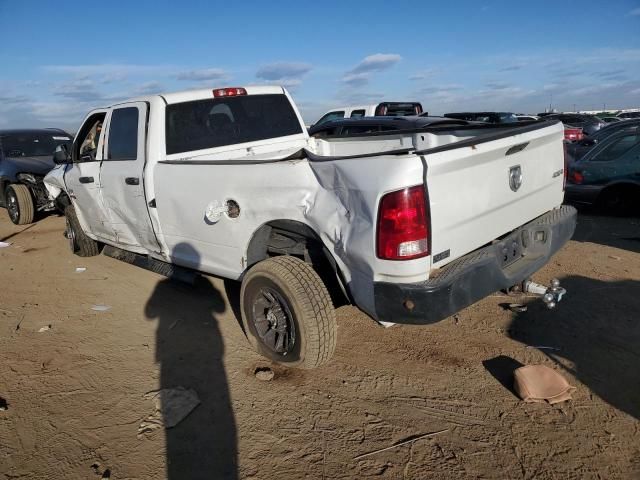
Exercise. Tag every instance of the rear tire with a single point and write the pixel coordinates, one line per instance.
(19, 203)
(619, 200)
(287, 313)
(79, 243)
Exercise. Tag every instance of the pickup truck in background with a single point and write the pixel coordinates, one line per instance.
(384, 109)
(409, 226)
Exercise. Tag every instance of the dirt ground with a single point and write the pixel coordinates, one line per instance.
(76, 391)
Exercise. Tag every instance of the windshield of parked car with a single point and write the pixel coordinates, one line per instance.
(32, 144)
(218, 122)
(508, 118)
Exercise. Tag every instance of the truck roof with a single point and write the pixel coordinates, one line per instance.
(200, 94)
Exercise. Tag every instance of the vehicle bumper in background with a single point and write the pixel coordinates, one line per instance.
(476, 275)
(587, 194)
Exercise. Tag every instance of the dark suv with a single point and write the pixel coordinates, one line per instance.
(589, 124)
(26, 156)
(487, 117)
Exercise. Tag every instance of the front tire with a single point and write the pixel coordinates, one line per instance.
(79, 243)
(287, 313)
(19, 204)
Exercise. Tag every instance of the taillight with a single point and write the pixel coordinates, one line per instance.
(229, 92)
(403, 228)
(576, 177)
(566, 166)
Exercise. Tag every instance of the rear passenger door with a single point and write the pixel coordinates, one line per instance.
(122, 177)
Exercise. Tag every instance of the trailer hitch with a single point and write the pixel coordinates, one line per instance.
(550, 295)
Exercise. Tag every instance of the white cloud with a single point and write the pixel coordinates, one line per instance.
(203, 75)
(377, 62)
(283, 70)
(361, 73)
(634, 13)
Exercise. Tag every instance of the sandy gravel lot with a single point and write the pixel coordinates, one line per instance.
(76, 391)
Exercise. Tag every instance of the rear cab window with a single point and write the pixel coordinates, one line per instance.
(218, 122)
(357, 114)
(398, 109)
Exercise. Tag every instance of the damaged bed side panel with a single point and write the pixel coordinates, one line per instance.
(337, 199)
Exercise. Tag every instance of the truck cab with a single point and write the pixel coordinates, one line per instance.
(384, 109)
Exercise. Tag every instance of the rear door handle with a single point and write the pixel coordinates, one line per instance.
(132, 181)
(86, 179)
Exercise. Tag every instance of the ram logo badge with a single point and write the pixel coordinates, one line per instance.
(515, 177)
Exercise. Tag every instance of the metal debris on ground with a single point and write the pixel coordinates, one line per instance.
(404, 442)
(4, 244)
(45, 328)
(100, 308)
(171, 406)
(517, 307)
(81, 269)
(264, 374)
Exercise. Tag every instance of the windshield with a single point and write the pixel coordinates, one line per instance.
(218, 122)
(39, 144)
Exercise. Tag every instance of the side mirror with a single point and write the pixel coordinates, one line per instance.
(61, 155)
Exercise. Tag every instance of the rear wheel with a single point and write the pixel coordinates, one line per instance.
(287, 313)
(619, 200)
(19, 203)
(79, 242)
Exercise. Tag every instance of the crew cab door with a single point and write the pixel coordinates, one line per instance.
(122, 177)
(82, 177)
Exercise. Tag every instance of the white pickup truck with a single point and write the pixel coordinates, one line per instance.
(410, 226)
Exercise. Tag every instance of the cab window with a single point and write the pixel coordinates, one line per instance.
(357, 114)
(123, 134)
(86, 147)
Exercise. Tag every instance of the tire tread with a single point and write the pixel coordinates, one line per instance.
(25, 203)
(87, 247)
(312, 296)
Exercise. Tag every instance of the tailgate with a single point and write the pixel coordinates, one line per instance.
(474, 193)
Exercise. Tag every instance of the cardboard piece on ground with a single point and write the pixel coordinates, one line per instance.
(539, 383)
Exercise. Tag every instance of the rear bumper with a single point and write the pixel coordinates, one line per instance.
(582, 193)
(474, 276)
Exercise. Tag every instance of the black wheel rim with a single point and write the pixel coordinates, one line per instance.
(273, 321)
(12, 206)
(71, 237)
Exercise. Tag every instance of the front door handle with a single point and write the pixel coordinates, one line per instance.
(86, 179)
(132, 181)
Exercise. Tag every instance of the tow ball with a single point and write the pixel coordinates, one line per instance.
(550, 295)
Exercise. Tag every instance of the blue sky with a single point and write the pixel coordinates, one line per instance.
(60, 59)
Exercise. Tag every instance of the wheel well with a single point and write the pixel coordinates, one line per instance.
(289, 237)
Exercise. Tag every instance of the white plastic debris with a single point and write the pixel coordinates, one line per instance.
(171, 406)
(4, 244)
(264, 374)
(100, 308)
(45, 329)
(81, 269)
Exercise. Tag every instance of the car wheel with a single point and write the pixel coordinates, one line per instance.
(19, 203)
(287, 313)
(618, 200)
(79, 242)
